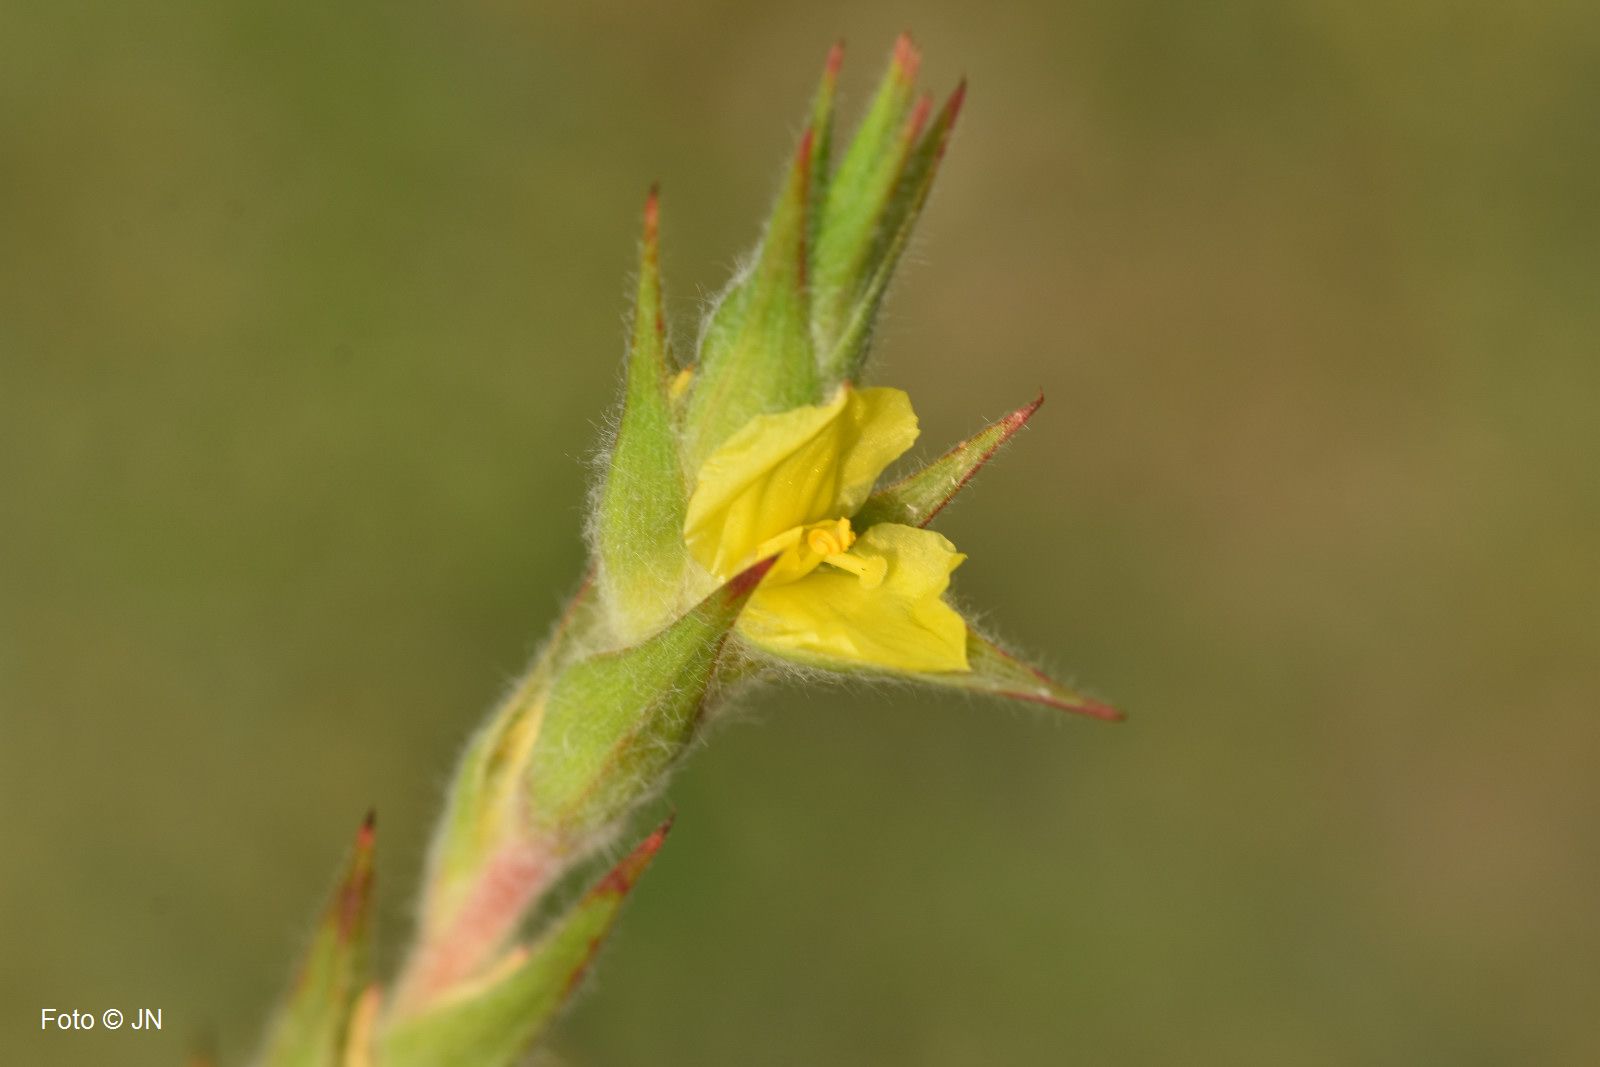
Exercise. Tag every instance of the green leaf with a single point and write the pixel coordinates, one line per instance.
(494, 1022)
(639, 523)
(616, 721)
(310, 1027)
(860, 194)
(854, 337)
(917, 498)
(822, 140)
(1000, 673)
(757, 355)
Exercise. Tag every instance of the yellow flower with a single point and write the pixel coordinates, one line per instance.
(786, 484)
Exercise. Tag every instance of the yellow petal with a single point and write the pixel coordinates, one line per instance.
(899, 623)
(793, 468)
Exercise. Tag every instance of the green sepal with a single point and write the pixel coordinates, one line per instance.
(859, 195)
(1000, 673)
(917, 498)
(493, 1023)
(991, 670)
(310, 1027)
(822, 142)
(615, 722)
(842, 357)
(757, 355)
(639, 520)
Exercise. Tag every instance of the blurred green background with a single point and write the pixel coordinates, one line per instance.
(309, 314)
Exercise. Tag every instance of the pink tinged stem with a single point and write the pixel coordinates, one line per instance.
(464, 945)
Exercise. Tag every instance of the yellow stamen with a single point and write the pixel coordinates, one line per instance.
(680, 384)
(776, 488)
(870, 569)
(827, 542)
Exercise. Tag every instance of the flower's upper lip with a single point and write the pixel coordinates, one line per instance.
(791, 469)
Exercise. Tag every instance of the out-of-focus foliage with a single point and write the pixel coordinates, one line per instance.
(304, 311)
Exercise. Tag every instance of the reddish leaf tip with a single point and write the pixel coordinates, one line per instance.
(1101, 711)
(745, 582)
(652, 213)
(659, 834)
(952, 106)
(1009, 427)
(802, 155)
(1018, 418)
(621, 878)
(350, 901)
(919, 117)
(906, 57)
(835, 59)
(1079, 705)
(1093, 709)
(352, 904)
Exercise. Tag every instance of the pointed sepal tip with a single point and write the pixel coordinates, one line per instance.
(915, 499)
